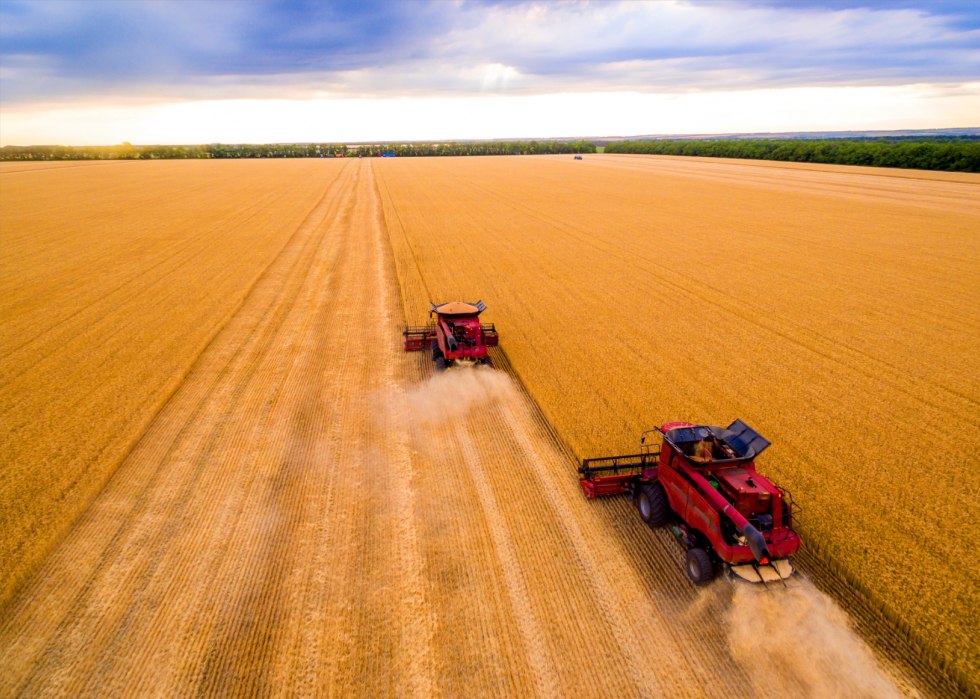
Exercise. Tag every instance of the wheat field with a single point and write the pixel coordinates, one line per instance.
(112, 286)
(834, 310)
(223, 476)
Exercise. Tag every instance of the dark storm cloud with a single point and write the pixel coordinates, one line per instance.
(58, 50)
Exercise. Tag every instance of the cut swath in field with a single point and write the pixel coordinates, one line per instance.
(113, 284)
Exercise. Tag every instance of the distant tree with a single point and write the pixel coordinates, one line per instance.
(960, 155)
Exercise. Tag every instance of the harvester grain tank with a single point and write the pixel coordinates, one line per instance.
(456, 335)
(701, 481)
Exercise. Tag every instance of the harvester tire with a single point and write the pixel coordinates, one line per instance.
(699, 567)
(434, 347)
(488, 362)
(653, 505)
(441, 364)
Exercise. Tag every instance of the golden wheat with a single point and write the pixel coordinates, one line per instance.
(312, 512)
(303, 517)
(835, 312)
(112, 286)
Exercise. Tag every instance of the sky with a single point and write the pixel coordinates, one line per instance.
(100, 73)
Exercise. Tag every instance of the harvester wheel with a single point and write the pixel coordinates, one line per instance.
(436, 352)
(652, 503)
(441, 364)
(699, 567)
(488, 362)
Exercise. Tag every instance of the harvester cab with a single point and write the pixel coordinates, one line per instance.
(700, 480)
(455, 336)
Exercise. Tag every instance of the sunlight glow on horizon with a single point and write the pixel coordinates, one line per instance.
(497, 117)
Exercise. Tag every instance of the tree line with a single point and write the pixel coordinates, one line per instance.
(482, 148)
(939, 153)
(126, 151)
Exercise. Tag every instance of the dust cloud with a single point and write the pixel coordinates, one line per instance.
(792, 643)
(799, 643)
(453, 394)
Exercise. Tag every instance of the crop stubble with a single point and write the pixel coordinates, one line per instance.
(312, 512)
(112, 285)
(836, 314)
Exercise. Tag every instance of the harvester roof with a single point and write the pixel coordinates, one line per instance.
(459, 309)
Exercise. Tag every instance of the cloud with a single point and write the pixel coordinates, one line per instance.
(58, 51)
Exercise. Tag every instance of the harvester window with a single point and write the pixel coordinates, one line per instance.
(705, 450)
(702, 453)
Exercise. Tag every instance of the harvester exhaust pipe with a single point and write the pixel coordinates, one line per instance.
(753, 537)
(757, 543)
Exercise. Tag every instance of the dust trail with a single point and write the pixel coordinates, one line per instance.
(794, 643)
(800, 643)
(453, 394)
(437, 412)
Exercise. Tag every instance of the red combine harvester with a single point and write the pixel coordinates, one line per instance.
(456, 336)
(702, 481)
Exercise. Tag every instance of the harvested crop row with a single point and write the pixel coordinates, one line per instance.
(116, 276)
(842, 328)
(216, 558)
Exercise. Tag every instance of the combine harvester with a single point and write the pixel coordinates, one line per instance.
(702, 481)
(457, 336)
